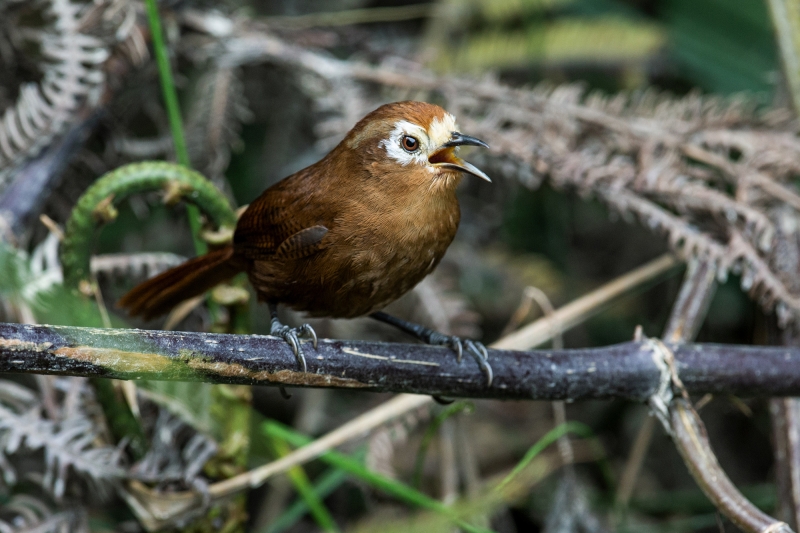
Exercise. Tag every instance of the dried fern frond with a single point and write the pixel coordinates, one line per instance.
(647, 157)
(177, 453)
(214, 121)
(56, 448)
(136, 266)
(72, 76)
(26, 514)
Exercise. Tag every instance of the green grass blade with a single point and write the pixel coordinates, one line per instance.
(399, 490)
(427, 438)
(304, 488)
(173, 112)
(328, 482)
(582, 430)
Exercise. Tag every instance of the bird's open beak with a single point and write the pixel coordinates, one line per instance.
(446, 157)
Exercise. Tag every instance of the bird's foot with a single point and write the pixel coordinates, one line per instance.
(292, 337)
(475, 349)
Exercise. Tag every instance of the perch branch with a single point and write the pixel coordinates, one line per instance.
(630, 370)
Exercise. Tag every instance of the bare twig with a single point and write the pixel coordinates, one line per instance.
(634, 464)
(588, 305)
(691, 307)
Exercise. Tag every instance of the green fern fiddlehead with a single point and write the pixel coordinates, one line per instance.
(96, 207)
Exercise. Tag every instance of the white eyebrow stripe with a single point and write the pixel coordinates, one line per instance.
(441, 129)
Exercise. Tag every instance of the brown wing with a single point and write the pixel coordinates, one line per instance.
(284, 221)
(304, 242)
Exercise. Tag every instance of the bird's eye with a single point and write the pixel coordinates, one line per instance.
(410, 144)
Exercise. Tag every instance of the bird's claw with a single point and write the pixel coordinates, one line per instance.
(474, 348)
(292, 337)
(307, 330)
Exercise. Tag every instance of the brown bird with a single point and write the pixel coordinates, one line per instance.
(345, 236)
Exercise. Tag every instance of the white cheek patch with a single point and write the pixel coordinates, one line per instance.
(395, 149)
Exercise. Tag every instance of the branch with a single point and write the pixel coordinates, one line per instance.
(22, 200)
(692, 442)
(626, 370)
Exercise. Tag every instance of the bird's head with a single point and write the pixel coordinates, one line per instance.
(414, 139)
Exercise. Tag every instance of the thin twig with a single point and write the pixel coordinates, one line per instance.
(360, 425)
(586, 306)
(634, 464)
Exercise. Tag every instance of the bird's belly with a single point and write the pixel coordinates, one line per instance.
(387, 279)
(346, 282)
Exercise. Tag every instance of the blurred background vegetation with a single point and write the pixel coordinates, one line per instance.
(511, 237)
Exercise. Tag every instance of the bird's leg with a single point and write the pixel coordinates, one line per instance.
(291, 335)
(474, 348)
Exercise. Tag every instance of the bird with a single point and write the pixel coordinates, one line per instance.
(347, 235)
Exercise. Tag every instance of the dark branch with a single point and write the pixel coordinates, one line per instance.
(22, 201)
(620, 371)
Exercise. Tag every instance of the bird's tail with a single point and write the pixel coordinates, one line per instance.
(160, 294)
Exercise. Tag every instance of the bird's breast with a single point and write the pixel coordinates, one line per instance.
(393, 251)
